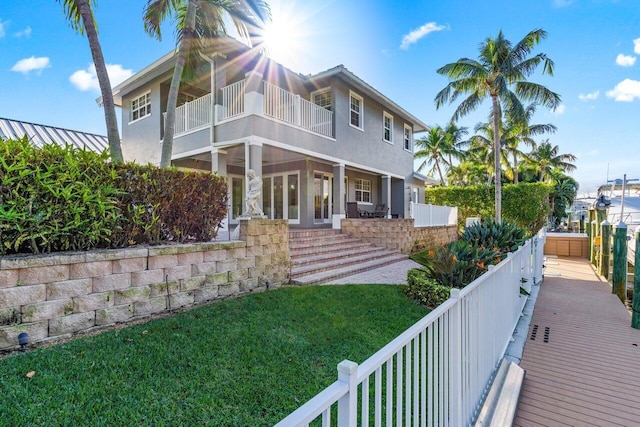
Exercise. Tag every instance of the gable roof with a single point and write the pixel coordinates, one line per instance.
(40, 135)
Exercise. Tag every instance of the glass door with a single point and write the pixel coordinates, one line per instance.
(322, 184)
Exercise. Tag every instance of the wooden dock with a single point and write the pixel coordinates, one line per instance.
(582, 358)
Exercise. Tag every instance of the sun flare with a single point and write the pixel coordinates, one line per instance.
(283, 35)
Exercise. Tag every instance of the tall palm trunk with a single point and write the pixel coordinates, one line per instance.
(183, 50)
(440, 173)
(515, 168)
(103, 79)
(496, 157)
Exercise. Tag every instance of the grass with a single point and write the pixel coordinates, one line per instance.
(248, 361)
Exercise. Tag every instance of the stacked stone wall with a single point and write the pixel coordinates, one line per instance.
(55, 296)
(399, 234)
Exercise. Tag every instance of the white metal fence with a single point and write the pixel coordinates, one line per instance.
(430, 215)
(291, 108)
(193, 115)
(232, 100)
(437, 371)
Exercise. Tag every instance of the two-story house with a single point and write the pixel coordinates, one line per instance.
(318, 141)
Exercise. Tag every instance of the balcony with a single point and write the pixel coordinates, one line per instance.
(277, 104)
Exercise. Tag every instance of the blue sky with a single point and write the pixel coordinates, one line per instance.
(45, 73)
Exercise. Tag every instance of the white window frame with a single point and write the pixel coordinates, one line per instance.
(147, 106)
(407, 139)
(385, 116)
(353, 95)
(360, 192)
(285, 194)
(322, 92)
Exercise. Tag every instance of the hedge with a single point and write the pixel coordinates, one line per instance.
(425, 289)
(61, 198)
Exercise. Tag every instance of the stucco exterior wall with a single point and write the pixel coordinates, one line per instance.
(58, 295)
(399, 234)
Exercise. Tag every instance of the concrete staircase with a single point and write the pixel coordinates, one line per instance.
(319, 256)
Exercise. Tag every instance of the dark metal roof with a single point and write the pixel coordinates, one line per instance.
(40, 135)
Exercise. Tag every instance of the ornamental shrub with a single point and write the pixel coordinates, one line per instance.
(425, 289)
(502, 237)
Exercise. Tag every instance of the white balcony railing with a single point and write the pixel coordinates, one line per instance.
(432, 215)
(232, 100)
(437, 371)
(291, 108)
(277, 103)
(193, 115)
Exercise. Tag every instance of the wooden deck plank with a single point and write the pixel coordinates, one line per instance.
(587, 371)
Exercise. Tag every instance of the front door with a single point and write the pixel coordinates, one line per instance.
(322, 184)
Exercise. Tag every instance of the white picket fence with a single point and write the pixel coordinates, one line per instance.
(432, 215)
(436, 372)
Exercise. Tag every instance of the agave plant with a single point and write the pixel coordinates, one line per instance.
(502, 237)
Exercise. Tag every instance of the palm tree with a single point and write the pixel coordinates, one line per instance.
(500, 73)
(197, 22)
(431, 148)
(80, 16)
(454, 143)
(547, 159)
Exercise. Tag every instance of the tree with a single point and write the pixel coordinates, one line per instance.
(547, 159)
(197, 21)
(500, 73)
(82, 20)
(431, 148)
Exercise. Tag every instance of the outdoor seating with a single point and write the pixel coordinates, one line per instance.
(380, 211)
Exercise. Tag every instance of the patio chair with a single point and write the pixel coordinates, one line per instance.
(352, 210)
(380, 211)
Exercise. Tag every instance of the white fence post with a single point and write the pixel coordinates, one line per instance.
(348, 404)
(455, 360)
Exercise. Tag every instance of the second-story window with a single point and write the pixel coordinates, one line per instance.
(407, 138)
(387, 127)
(141, 106)
(355, 107)
(322, 99)
(363, 190)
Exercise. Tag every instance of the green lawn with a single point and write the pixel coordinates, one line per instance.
(240, 362)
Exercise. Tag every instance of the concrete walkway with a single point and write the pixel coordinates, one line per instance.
(392, 274)
(582, 358)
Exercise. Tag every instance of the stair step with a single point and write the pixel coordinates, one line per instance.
(303, 269)
(302, 241)
(337, 273)
(335, 255)
(333, 247)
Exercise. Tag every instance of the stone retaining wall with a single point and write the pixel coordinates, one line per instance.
(399, 234)
(54, 296)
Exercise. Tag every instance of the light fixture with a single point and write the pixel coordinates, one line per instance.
(23, 340)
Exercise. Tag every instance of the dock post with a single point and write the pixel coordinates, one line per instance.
(620, 261)
(605, 249)
(592, 239)
(635, 315)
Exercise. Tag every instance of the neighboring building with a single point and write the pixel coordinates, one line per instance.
(40, 135)
(317, 141)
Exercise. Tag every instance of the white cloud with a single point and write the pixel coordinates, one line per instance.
(589, 96)
(417, 34)
(24, 33)
(625, 61)
(88, 80)
(625, 91)
(559, 110)
(636, 46)
(2, 30)
(25, 66)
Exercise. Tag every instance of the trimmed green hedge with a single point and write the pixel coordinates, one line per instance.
(60, 198)
(526, 205)
(425, 289)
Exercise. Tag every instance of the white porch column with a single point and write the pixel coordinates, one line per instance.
(338, 195)
(254, 93)
(219, 161)
(386, 193)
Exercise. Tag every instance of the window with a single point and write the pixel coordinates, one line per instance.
(387, 127)
(141, 106)
(322, 99)
(407, 138)
(363, 190)
(355, 107)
